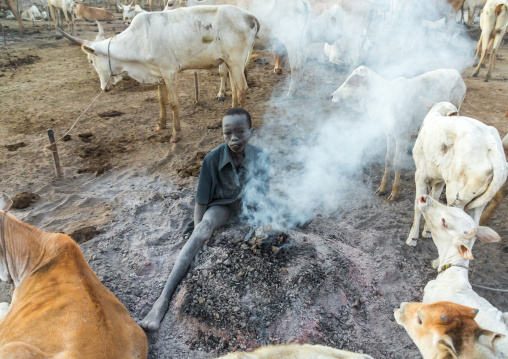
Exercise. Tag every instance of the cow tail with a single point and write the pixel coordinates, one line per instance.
(249, 55)
(499, 166)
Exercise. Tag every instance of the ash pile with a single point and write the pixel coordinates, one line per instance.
(275, 288)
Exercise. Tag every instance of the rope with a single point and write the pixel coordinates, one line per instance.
(75, 122)
(489, 288)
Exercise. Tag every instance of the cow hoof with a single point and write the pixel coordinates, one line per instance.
(380, 192)
(220, 99)
(174, 139)
(487, 79)
(475, 74)
(277, 71)
(160, 128)
(411, 242)
(393, 197)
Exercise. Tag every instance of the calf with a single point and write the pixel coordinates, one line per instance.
(444, 329)
(296, 351)
(89, 13)
(471, 6)
(462, 153)
(199, 37)
(59, 307)
(494, 23)
(393, 104)
(454, 233)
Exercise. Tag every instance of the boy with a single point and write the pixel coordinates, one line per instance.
(224, 173)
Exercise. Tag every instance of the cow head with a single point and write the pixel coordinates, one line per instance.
(453, 231)
(441, 108)
(444, 329)
(174, 4)
(97, 54)
(358, 89)
(128, 12)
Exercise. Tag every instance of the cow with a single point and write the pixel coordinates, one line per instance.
(500, 195)
(59, 307)
(129, 11)
(444, 329)
(395, 106)
(89, 13)
(471, 6)
(200, 37)
(343, 23)
(296, 351)
(494, 23)
(461, 152)
(282, 22)
(12, 5)
(454, 233)
(66, 6)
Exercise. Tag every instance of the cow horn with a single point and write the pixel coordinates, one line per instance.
(120, 5)
(77, 41)
(132, 2)
(100, 35)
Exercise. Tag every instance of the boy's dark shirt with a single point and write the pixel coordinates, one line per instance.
(220, 183)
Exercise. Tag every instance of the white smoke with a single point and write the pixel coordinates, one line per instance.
(317, 151)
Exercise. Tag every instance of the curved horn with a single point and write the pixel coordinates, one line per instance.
(100, 35)
(75, 40)
(120, 5)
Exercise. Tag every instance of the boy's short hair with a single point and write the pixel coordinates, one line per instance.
(239, 111)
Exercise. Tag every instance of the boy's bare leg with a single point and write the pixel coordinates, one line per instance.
(213, 218)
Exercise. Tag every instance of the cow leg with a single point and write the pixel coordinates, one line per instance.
(14, 9)
(435, 193)
(223, 72)
(476, 213)
(296, 62)
(381, 191)
(495, 46)
(236, 73)
(485, 46)
(491, 210)
(396, 169)
(421, 189)
(64, 10)
(171, 81)
(163, 101)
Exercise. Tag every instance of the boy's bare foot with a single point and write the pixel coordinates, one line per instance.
(152, 320)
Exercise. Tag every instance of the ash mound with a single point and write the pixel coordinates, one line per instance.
(236, 297)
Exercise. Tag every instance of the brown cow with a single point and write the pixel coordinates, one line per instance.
(444, 329)
(92, 13)
(59, 308)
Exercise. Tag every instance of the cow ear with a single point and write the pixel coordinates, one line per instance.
(5, 202)
(487, 338)
(487, 235)
(446, 348)
(452, 113)
(88, 50)
(465, 252)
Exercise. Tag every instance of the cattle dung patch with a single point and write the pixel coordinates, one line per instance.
(84, 234)
(24, 200)
(8, 61)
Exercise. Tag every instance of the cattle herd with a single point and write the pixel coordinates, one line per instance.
(56, 288)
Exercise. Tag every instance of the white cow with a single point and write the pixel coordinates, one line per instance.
(130, 11)
(461, 152)
(284, 21)
(200, 37)
(345, 25)
(395, 105)
(66, 6)
(470, 6)
(494, 23)
(32, 13)
(454, 233)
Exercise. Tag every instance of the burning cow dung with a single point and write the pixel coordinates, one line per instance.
(267, 240)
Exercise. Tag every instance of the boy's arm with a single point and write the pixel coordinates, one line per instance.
(199, 212)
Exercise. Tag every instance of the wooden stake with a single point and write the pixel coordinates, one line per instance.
(58, 170)
(196, 87)
(3, 32)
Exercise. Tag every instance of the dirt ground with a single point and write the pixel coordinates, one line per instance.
(127, 193)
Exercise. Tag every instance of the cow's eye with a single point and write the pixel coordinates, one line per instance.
(444, 223)
(418, 319)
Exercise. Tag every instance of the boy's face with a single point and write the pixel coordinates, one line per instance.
(236, 132)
